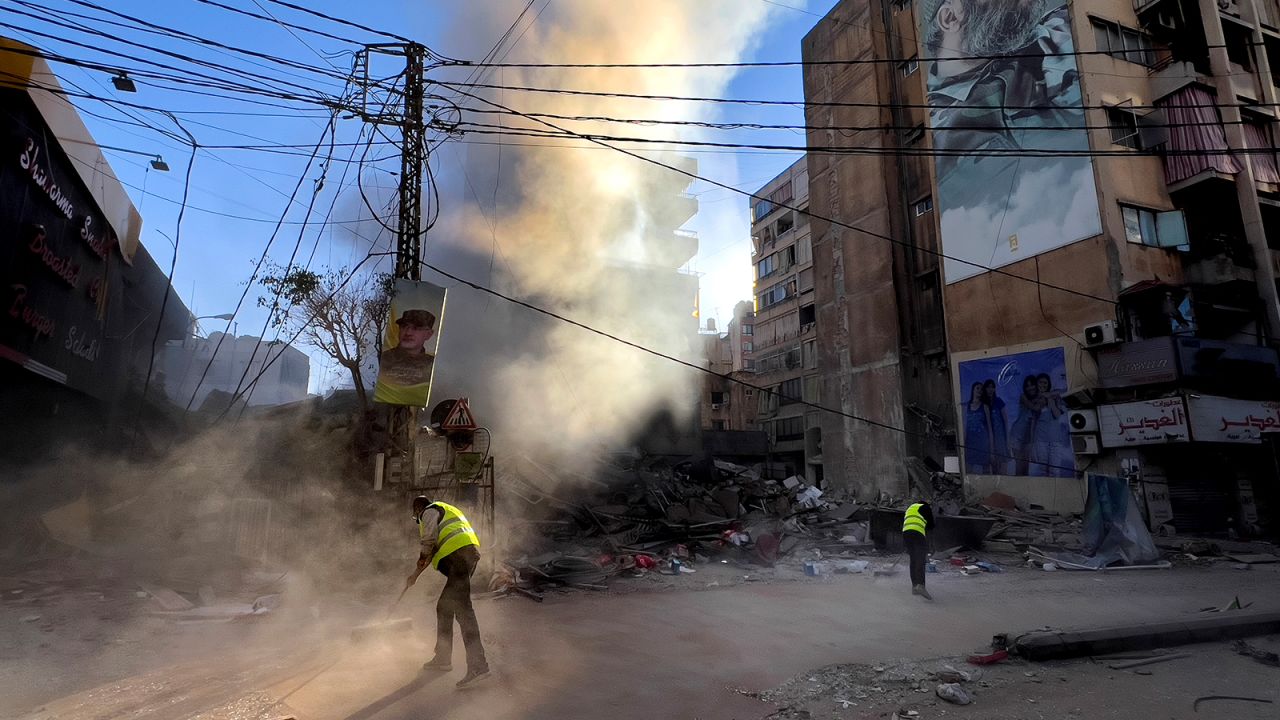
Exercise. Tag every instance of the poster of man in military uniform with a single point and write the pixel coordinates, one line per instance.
(409, 348)
(1014, 176)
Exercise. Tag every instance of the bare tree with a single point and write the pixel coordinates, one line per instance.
(340, 314)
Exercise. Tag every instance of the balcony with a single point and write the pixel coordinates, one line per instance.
(672, 211)
(672, 250)
(1173, 74)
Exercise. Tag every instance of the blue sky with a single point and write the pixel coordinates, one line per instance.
(237, 196)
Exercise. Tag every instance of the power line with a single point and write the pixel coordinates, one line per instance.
(693, 366)
(164, 31)
(192, 79)
(805, 211)
(340, 21)
(798, 63)
(892, 151)
(168, 288)
(201, 79)
(800, 104)
(261, 259)
(300, 28)
(297, 245)
(850, 128)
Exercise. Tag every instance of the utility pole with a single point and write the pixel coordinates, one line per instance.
(399, 103)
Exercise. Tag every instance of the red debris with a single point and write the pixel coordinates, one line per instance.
(991, 659)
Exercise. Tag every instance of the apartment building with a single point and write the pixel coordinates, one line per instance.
(783, 337)
(728, 401)
(1051, 250)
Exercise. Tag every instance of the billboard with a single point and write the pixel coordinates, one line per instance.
(1226, 420)
(409, 348)
(1015, 422)
(1003, 87)
(1145, 422)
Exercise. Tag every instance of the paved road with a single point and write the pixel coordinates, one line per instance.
(676, 654)
(679, 655)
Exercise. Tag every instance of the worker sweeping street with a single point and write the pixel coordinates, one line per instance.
(451, 546)
(916, 523)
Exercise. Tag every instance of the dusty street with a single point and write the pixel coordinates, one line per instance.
(679, 653)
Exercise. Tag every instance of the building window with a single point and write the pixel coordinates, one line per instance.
(746, 346)
(776, 294)
(782, 194)
(717, 425)
(788, 429)
(807, 315)
(767, 267)
(1139, 225)
(761, 209)
(811, 390)
(1123, 43)
(1124, 127)
(810, 352)
(909, 67)
(717, 398)
(748, 329)
(1154, 229)
(924, 206)
(785, 223)
(791, 391)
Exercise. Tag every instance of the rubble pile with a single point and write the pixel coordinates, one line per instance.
(643, 515)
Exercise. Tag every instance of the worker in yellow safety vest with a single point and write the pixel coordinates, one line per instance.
(451, 546)
(916, 523)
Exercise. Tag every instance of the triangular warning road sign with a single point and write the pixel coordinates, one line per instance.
(460, 417)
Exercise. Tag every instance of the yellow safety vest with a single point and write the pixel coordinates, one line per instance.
(913, 520)
(454, 534)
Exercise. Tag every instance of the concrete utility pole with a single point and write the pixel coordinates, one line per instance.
(385, 102)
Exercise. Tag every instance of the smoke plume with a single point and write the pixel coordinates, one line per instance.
(582, 231)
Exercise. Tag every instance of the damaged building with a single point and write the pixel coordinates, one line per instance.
(1072, 265)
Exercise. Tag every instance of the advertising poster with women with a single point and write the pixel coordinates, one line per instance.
(1015, 422)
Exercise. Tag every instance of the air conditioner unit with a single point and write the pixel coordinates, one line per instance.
(1100, 334)
(1083, 421)
(717, 406)
(1085, 444)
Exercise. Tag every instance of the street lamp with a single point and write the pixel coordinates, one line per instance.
(224, 316)
(124, 83)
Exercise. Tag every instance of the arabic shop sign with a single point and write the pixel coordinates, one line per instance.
(1219, 419)
(1144, 362)
(1147, 422)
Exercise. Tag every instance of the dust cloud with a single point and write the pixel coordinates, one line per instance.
(583, 232)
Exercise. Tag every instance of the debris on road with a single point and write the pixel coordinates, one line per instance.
(953, 693)
(1266, 657)
(1148, 661)
(1196, 705)
(990, 658)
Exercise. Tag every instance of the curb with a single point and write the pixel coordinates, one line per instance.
(1060, 645)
